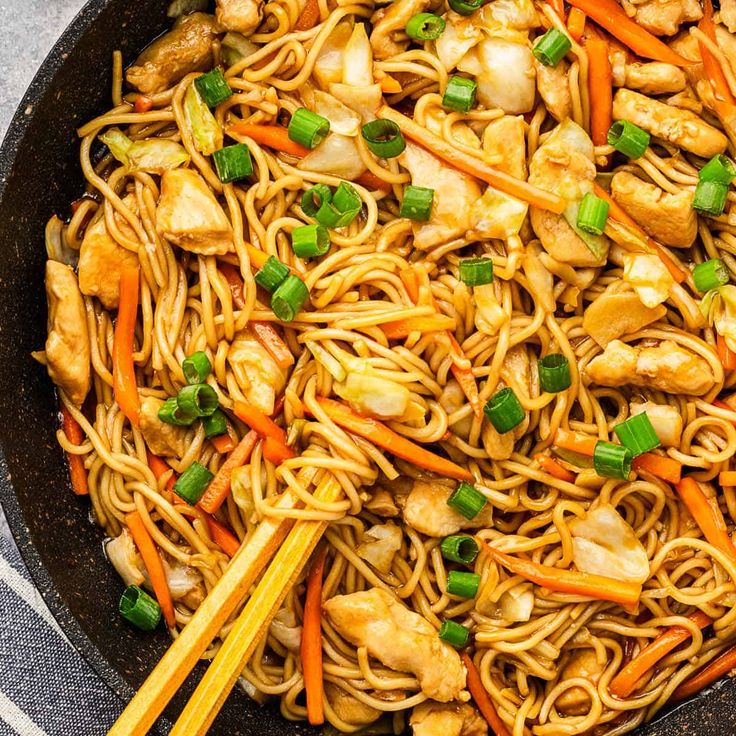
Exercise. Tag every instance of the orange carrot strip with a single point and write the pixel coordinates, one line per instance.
(159, 467)
(611, 16)
(660, 465)
(554, 468)
(234, 281)
(707, 516)
(276, 451)
(570, 581)
(222, 536)
(154, 564)
(370, 181)
(711, 66)
(600, 85)
(309, 17)
(310, 651)
(142, 104)
(123, 370)
(223, 443)
(712, 671)
(626, 680)
(727, 478)
(576, 23)
(483, 699)
(219, 488)
(379, 434)
(472, 165)
(464, 376)
(258, 421)
(271, 340)
(725, 354)
(404, 327)
(389, 85)
(559, 7)
(411, 284)
(77, 473)
(723, 405)
(576, 442)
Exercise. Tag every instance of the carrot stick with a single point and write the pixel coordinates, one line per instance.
(464, 376)
(576, 23)
(725, 354)
(370, 181)
(660, 465)
(309, 17)
(310, 651)
(77, 473)
(483, 699)
(711, 66)
(234, 281)
(219, 488)
(600, 85)
(570, 581)
(159, 467)
(472, 165)
(123, 370)
(379, 434)
(611, 16)
(271, 340)
(223, 443)
(154, 564)
(404, 327)
(258, 421)
(707, 516)
(389, 85)
(411, 284)
(627, 679)
(576, 442)
(222, 536)
(559, 7)
(727, 478)
(554, 468)
(142, 104)
(712, 671)
(276, 451)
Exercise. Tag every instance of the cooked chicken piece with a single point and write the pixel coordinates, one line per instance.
(666, 420)
(454, 196)
(389, 37)
(286, 630)
(184, 49)
(426, 510)
(618, 312)
(379, 545)
(728, 14)
(381, 503)
(243, 16)
(664, 17)
(452, 399)
(655, 78)
(665, 366)
(257, 374)
(124, 557)
(348, 708)
(681, 127)
(506, 16)
(668, 218)
(166, 440)
(399, 638)
(506, 137)
(101, 259)
(67, 341)
(189, 215)
(447, 719)
(554, 88)
(516, 370)
(583, 663)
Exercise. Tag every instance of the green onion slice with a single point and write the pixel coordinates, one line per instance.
(307, 128)
(193, 482)
(199, 399)
(417, 203)
(233, 163)
(612, 461)
(628, 139)
(552, 48)
(467, 500)
(137, 607)
(463, 584)
(710, 275)
(554, 373)
(213, 88)
(476, 271)
(593, 214)
(465, 7)
(342, 209)
(504, 411)
(452, 633)
(710, 198)
(637, 434)
(196, 367)
(459, 548)
(289, 298)
(314, 198)
(171, 413)
(383, 138)
(719, 169)
(310, 240)
(459, 94)
(272, 274)
(425, 27)
(215, 424)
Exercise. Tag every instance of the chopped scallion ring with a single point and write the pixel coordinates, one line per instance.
(554, 373)
(289, 298)
(463, 584)
(458, 548)
(213, 88)
(628, 139)
(476, 271)
(193, 482)
(719, 169)
(314, 198)
(593, 214)
(215, 424)
(383, 138)
(199, 400)
(342, 209)
(417, 203)
(467, 500)
(171, 413)
(710, 275)
(307, 128)
(455, 634)
(552, 48)
(465, 7)
(459, 94)
(425, 27)
(710, 198)
(310, 240)
(612, 461)
(233, 163)
(137, 607)
(637, 434)
(504, 411)
(272, 274)
(196, 367)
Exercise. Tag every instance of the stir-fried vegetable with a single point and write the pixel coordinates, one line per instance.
(203, 127)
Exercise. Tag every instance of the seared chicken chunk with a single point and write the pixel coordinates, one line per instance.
(654, 78)
(388, 37)
(189, 215)
(583, 663)
(681, 127)
(184, 49)
(166, 440)
(554, 88)
(506, 138)
(348, 708)
(67, 343)
(665, 366)
(668, 218)
(399, 638)
(243, 16)
(257, 374)
(664, 17)
(447, 719)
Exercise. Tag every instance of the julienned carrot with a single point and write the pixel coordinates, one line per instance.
(159, 467)
(271, 340)
(712, 671)
(600, 85)
(473, 165)
(404, 327)
(554, 468)
(576, 23)
(219, 488)
(276, 451)
(559, 7)
(258, 421)
(570, 581)
(711, 66)
(627, 679)
(223, 443)
(411, 284)
(725, 354)
(310, 651)
(583, 444)
(222, 536)
(77, 473)
(464, 376)
(727, 478)
(154, 565)
(483, 699)
(379, 434)
(309, 17)
(234, 281)
(389, 85)
(611, 16)
(142, 104)
(123, 370)
(660, 465)
(707, 516)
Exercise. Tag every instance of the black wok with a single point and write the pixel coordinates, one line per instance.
(39, 175)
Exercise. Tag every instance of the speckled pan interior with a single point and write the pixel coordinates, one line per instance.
(39, 175)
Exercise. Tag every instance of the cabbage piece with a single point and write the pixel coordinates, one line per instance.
(379, 545)
(123, 555)
(375, 396)
(598, 244)
(364, 100)
(285, 629)
(330, 60)
(357, 70)
(242, 489)
(327, 360)
(541, 281)
(205, 130)
(118, 143)
(181, 579)
(461, 34)
(517, 604)
(498, 215)
(489, 315)
(156, 155)
(719, 308)
(183, 7)
(666, 420)
(235, 46)
(337, 155)
(649, 277)
(343, 120)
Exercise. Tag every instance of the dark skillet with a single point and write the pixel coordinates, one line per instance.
(39, 175)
